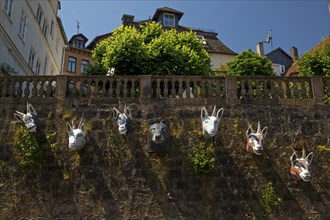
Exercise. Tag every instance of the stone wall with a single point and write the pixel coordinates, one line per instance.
(113, 177)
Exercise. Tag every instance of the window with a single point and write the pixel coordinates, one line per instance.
(37, 70)
(45, 28)
(84, 66)
(169, 20)
(31, 58)
(72, 62)
(51, 29)
(23, 26)
(79, 43)
(40, 14)
(45, 66)
(9, 7)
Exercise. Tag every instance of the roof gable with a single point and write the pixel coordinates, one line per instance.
(160, 11)
(83, 37)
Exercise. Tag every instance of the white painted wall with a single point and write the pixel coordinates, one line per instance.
(15, 51)
(219, 59)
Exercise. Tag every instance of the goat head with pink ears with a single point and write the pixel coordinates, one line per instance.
(299, 166)
(255, 139)
(210, 123)
(77, 136)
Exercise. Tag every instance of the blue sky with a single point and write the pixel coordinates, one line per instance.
(240, 24)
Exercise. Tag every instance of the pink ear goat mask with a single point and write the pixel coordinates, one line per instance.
(255, 139)
(299, 166)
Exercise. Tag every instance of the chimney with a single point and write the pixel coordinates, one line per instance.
(294, 53)
(260, 49)
(127, 18)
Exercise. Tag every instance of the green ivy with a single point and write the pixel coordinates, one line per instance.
(30, 153)
(51, 139)
(268, 197)
(203, 159)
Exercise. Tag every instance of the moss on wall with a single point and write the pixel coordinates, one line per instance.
(113, 177)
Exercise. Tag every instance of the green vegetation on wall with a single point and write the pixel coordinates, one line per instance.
(29, 151)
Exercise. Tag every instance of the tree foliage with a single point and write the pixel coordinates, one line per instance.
(249, 63)
(315, 63)
(151, 50)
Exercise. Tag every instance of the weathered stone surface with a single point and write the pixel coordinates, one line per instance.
(114, 177)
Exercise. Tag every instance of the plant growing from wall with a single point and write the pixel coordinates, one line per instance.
(203, 159)
(30, 153)
(268, 197)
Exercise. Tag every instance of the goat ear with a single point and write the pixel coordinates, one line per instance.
(18, 115)
(309, 157)
(68, 127)
(30, 109)
(82, 126)
(248, 132)
(115, 112)
(127, 112)
(205, 113)
(220, 111)
(264, 131)
(293, 157)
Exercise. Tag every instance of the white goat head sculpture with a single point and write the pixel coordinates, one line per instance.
(255, 139)
(30, 119)
(122, 120)
(210, 124)
(77, 136)
(299, 166)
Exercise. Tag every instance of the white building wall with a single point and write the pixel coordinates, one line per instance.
(218, 60)
(15, 51)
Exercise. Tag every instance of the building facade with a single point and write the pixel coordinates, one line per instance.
(219, 53)
(77, 57)
(32, 37)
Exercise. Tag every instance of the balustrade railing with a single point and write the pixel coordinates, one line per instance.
(27, 87)
(103, 86)
(274, 87)
(165, 87)
(188, 87)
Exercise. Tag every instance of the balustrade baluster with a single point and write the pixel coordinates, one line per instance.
(303, 89)
(250, 88)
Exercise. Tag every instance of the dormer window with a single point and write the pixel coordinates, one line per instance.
(169, 20)
(79, 43)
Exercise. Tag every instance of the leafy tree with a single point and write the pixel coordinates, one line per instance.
(152, 50)
(315, 63)
(249, 63)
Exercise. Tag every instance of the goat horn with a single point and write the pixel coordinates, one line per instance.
(214, 109)
(80, 123)
(303, 153)
(73, 127)
(259, 129)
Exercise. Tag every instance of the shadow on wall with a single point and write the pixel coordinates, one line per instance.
(114, 176)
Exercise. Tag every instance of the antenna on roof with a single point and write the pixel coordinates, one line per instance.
(78, 26)
(269, 38)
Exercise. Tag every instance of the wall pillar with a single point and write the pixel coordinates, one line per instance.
(145, 87)
(231, 88)
(61, 85)
(317, 89)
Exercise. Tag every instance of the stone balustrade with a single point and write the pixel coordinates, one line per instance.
(166, 87)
